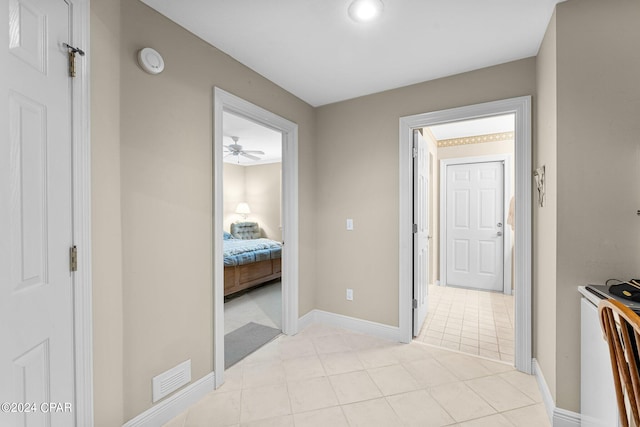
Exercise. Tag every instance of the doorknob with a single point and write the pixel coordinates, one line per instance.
(499, 224)
(499, 233)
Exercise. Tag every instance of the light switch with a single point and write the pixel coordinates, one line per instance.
(349, 224)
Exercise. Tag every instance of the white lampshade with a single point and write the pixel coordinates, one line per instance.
(243, 209)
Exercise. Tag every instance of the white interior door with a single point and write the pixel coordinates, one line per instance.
(421, 230)
(475, 225)
(36, 286)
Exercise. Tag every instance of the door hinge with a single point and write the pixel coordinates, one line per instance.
(73, 258)
(415, 303)
(414, 152)
(72, 58)
(415, 228)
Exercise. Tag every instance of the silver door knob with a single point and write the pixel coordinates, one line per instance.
(499, 233)
(499, 224)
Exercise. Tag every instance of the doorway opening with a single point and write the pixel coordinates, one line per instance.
(520, 108)
(471, 240)
(277, 275)
(252, 243)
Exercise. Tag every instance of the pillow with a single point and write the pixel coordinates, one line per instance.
(245, 230)
(227, 236)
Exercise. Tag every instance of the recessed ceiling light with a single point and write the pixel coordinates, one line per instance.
(365, 10)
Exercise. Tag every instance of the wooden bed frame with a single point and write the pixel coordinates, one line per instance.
(240, 277)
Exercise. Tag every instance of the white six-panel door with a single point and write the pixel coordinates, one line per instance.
(475, 225)
(36, 286)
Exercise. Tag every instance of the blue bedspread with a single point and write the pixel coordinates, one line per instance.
(239, 252)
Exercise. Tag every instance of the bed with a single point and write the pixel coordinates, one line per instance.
(249, 260)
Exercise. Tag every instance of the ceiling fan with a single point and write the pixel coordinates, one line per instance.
(236, 150)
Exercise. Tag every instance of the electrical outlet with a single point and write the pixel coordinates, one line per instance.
(349, 294)
(349, 224)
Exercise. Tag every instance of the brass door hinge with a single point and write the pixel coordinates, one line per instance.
(72, 58)
(73, 258)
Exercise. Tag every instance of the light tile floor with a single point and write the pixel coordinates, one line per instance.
(471, 321)
(331, 377)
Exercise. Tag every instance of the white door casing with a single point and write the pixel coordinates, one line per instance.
(36, 214)
(521, 108)
(473, 225)
(225, 101)
(421, 234)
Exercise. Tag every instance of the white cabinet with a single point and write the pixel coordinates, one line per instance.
(597, 393)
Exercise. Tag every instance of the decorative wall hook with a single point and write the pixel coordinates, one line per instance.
(540, 185)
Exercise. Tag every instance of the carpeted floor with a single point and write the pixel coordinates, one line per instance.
(260, 305)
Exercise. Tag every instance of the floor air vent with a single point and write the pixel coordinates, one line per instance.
(171, 380)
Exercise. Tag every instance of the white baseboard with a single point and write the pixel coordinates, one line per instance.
(306, 320)
(174, 405)
(559, 417)
(375, 329)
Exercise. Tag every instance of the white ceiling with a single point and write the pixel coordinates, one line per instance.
(312, 49)
(475, 127)
(252, 137)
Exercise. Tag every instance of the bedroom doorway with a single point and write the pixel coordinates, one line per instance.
(252, 201)
(519, 110)
(255, 214)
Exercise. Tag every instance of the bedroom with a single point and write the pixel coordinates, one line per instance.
(252, 224)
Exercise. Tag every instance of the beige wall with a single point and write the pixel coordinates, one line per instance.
(259, 186)
(357, 168)
(476, 150)
(545, 218)
(598, 176)
(233, 192)
(157, 139)
(105, 206)
(587, 137)
(263, 195)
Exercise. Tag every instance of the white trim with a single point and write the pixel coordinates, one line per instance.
(225, 101)
(307, 320)
(83, 317)
(506, 185)
(564, 418)
(174, 405)
(521, 107)
(547, 399)
(374, 329)
(559, 417)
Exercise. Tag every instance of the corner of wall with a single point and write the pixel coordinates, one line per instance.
(108, 357)
(545, 217)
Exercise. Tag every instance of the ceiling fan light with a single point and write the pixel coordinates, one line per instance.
(365, 10)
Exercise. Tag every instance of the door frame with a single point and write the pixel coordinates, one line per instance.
(225, 101)
(506, 188)
(521, 107)
(81, 196)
